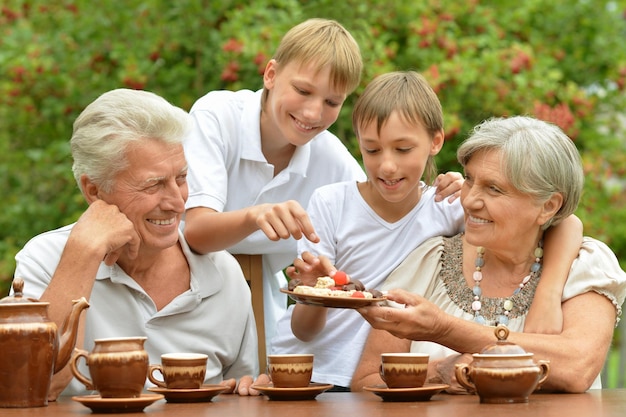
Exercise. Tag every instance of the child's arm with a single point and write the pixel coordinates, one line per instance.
(561, 246)
(308, 321)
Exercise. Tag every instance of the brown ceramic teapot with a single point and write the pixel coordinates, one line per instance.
(503, 372)
(32, 349)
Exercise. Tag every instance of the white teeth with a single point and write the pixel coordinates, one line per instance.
(478, 220)
(303, 126)
(163, 222)
(394, 182)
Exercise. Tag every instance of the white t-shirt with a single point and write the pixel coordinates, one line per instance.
(228, 171)
(367, 248)
(595, 269)
(194, 321)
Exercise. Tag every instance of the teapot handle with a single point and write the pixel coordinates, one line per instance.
(462, 373)
(78, 353)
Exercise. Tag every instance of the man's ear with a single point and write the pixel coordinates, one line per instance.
(90, 190)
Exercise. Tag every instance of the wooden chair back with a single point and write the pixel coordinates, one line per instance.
(252, 267)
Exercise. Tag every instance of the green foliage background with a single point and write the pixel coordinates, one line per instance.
(563, 61)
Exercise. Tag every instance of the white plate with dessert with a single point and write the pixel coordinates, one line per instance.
(334, 292)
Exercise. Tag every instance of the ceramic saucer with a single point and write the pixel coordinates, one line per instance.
(292, 394)
(406, 394)
(202, 394)
(117, 405)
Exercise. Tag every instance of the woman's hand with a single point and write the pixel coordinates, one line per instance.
(418, 320)
(443, 371)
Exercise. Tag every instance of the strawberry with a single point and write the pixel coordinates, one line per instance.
(341, 278)
(357, 294)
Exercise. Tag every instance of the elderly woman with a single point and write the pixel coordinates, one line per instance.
(522, 177)
(126, 254)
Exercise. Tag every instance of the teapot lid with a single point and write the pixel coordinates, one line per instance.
(18, 294)
(502, 347)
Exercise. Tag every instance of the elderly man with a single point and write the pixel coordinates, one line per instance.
(126, 253)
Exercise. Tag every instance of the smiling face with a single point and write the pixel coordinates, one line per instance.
(301, 102)
(152, 192)
(395, 159)
(497, 215)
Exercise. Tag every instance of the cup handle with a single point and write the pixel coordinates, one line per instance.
(79, 353)
(381, 373)
(462, 373)
(153, 379)
(545, 370)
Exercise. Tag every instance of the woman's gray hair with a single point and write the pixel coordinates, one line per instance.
(536, 157)
(113, 122)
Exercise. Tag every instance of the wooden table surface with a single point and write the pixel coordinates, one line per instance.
(595, 403)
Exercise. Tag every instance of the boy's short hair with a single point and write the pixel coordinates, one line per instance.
(325, 43)
(406, 92)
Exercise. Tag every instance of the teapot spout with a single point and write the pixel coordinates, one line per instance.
(69, 333)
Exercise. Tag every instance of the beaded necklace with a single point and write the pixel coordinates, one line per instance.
(507, 305)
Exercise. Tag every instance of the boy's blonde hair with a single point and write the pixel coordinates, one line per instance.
(408, 93)
(325, 43)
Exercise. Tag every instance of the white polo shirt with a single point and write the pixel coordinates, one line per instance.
(228, 171)
(195, 321)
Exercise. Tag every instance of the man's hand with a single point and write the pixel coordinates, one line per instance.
(245, 384)
(103, 226)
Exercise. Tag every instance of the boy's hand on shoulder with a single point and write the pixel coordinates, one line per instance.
(448, 185)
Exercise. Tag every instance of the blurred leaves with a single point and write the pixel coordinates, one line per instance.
(561, 61)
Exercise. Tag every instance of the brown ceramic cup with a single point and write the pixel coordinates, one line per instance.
(179, 371)
(404, 370)
(117, 366)
(290, 371)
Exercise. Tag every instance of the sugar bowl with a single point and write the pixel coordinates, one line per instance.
(502, 372)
